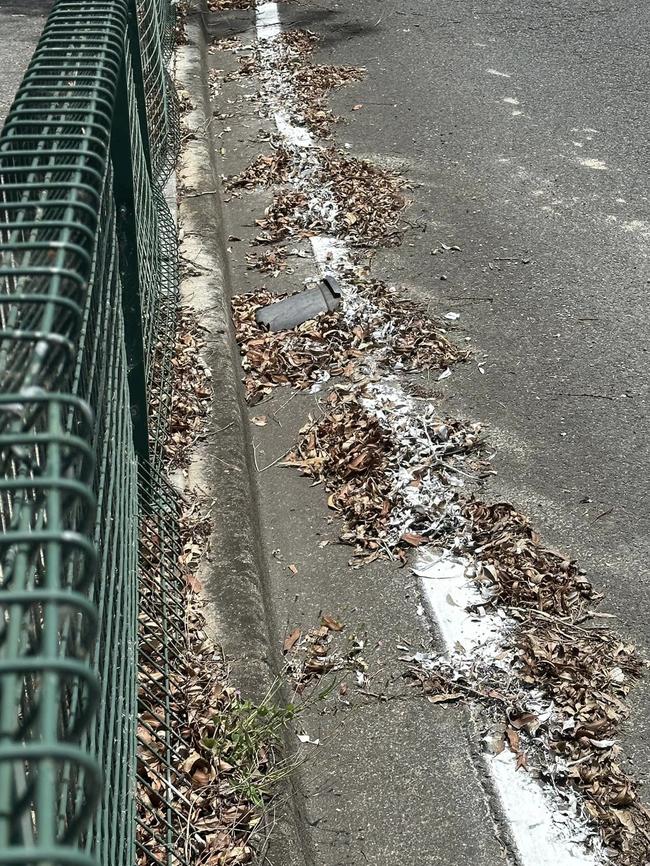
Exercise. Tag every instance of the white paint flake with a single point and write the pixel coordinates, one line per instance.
(511, 100)
(595, 164)
(497, 73)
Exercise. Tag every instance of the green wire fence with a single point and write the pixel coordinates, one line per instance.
(91, 600)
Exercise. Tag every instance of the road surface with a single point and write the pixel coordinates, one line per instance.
(21, 23)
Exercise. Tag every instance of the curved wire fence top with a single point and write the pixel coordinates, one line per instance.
(68, 470)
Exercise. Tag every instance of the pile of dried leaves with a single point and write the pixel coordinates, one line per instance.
(223, 5)
(348, 451)
(381, 482)
(380, 322)
(191, 392)
(263, 171)
(369, 200)
(309, 83)
(298, 357)
(577, 674)
(583, 669)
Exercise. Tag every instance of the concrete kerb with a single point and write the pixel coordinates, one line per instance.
(234, 575)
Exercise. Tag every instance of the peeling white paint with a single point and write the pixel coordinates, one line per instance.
(299, 136)
(330, 253)
(497, 73)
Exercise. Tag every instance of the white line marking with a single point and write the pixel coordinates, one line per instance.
(267, 21)
(299, 136)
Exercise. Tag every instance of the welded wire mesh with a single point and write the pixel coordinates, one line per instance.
(88, 539)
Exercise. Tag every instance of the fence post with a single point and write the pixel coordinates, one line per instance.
(124, 166)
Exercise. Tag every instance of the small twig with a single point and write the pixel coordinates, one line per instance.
(196, 194)
(273, 462)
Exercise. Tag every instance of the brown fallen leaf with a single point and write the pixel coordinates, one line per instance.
(413, 539)
(293, 568)
(357, 107)
(259, 420)
(514, 740)
(291, 640)
(193, 582)
(332, 624)
(444, 699)
(523, 721)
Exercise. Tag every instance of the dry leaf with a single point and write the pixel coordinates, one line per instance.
(330, 623)
(291, 640)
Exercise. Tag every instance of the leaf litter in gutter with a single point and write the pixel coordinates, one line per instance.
(304, 86)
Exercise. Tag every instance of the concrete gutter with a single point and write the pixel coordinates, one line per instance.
(234, 574)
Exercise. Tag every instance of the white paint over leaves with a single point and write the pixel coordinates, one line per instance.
(299, 136)
(543, 836)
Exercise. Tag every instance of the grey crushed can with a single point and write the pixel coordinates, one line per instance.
(296, 309)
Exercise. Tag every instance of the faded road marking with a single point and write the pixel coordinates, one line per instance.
(596, 164)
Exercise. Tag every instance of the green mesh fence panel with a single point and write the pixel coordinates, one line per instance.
(90, 595)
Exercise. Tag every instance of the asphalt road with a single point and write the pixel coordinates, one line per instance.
(21, 23)
(524, 129)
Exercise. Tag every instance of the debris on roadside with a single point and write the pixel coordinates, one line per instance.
(273, 262)
(393, 492)
(553, 686)
(298, 357)
(324, 651)
(223, 5)
(310, 83)
(263, 171)
(296, 309)
(191, 392)
(374, 321)
(554, 683)
(328, 192)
